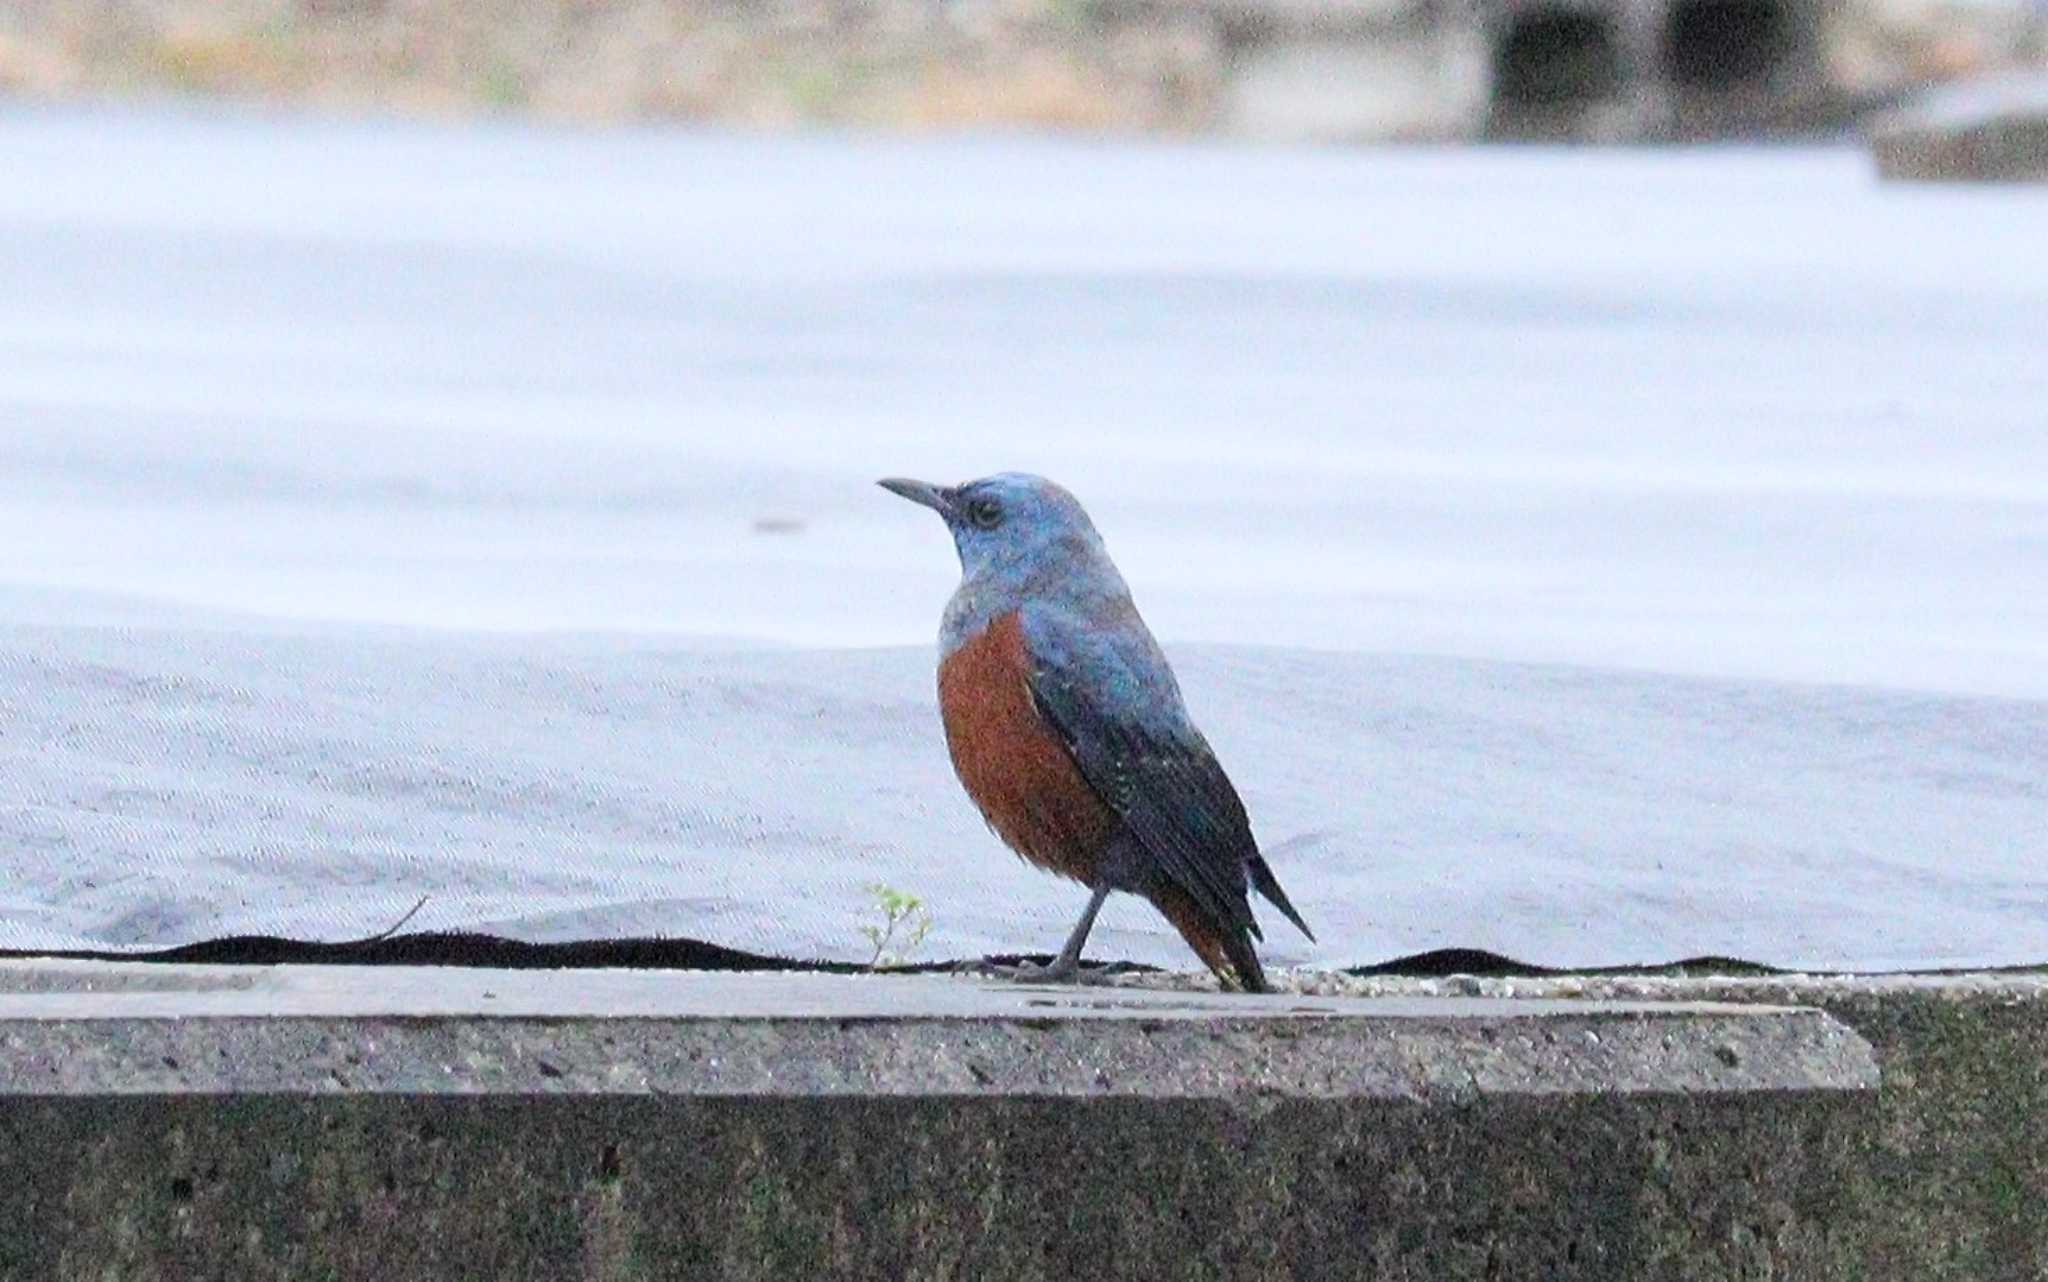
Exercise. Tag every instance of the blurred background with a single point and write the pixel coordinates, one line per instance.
(1272, 69)
(1586, 456)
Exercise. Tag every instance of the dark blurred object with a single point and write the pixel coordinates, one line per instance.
(1983, 131)
(1618, 69)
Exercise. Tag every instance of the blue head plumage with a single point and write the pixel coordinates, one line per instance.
(1020, 537)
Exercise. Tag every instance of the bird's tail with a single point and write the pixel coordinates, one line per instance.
(1225, 950)
(1269, 886)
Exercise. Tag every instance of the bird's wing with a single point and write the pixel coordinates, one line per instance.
(1110, 697)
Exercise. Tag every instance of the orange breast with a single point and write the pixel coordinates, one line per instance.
(1011, 763)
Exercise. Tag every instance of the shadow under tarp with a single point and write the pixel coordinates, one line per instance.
(455, 949)
(446, 949)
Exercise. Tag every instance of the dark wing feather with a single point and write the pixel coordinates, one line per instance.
(1268, 885)
(1166, 786)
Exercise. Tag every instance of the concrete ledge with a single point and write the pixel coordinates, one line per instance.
(93, 1028)
(393, 1124)
(224, 1122)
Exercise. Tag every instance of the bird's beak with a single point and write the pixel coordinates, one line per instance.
(937, 498)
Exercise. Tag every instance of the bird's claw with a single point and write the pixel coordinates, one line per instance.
(1049, 973)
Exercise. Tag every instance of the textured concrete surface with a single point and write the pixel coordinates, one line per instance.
(396, 1124)
(86, 1028)
(1950, 1179)
(400, 1124)
(400, 1187)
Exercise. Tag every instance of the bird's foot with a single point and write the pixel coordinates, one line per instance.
(1057, 971)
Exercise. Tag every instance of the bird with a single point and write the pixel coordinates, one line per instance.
(1066, 726)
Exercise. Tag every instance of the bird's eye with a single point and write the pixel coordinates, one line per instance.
(987, 514)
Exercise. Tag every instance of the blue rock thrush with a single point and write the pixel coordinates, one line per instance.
(1067, 728)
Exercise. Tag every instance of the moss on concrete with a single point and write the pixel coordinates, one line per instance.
(1955, 1171)
(1949, 1178)
(1632, 1187)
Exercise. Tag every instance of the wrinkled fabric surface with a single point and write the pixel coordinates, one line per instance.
(1593, 556)
(165, 787)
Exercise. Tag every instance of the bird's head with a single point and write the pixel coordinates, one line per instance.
(1008, 526)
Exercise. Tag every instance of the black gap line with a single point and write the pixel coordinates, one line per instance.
(448, 948)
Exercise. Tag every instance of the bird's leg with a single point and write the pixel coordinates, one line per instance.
(1068, 962)
(1065, 968)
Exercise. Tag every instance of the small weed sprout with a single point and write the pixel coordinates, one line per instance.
(905, 923)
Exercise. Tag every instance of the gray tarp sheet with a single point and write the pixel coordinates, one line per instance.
(485, 514)
(160, 788)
